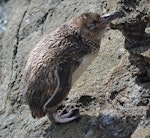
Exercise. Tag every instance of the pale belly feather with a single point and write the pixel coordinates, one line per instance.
(86, 61)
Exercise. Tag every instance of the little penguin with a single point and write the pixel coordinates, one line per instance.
(58, 60)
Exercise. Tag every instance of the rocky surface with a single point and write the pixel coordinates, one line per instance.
(112, 95)
(4, 10)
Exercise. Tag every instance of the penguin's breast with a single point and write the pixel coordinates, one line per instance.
(85, 62)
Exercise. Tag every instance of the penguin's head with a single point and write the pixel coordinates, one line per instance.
(92, 25)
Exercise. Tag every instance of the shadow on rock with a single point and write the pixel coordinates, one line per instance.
(113, 126)
(111, 123)
(80, 128)
(140, 68)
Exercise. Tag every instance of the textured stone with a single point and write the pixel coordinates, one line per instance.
(112, 95)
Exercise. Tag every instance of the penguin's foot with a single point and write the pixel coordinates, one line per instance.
(61, 117)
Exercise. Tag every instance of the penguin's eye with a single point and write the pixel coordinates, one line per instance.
(92, 25)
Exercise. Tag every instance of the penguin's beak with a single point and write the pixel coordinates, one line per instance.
(111, 16)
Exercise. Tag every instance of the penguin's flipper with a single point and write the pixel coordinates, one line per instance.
(64, 78)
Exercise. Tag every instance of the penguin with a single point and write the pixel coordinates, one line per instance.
(58, 60)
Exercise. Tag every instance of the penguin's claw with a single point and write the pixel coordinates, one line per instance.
(61, 117)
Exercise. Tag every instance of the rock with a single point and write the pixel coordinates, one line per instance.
(112, 95)
(142, 133)
(4, 10)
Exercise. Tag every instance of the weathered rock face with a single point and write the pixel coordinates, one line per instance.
(113, 95)
(128, 85)
(135, 28)
(3, 17)
(4, 10)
